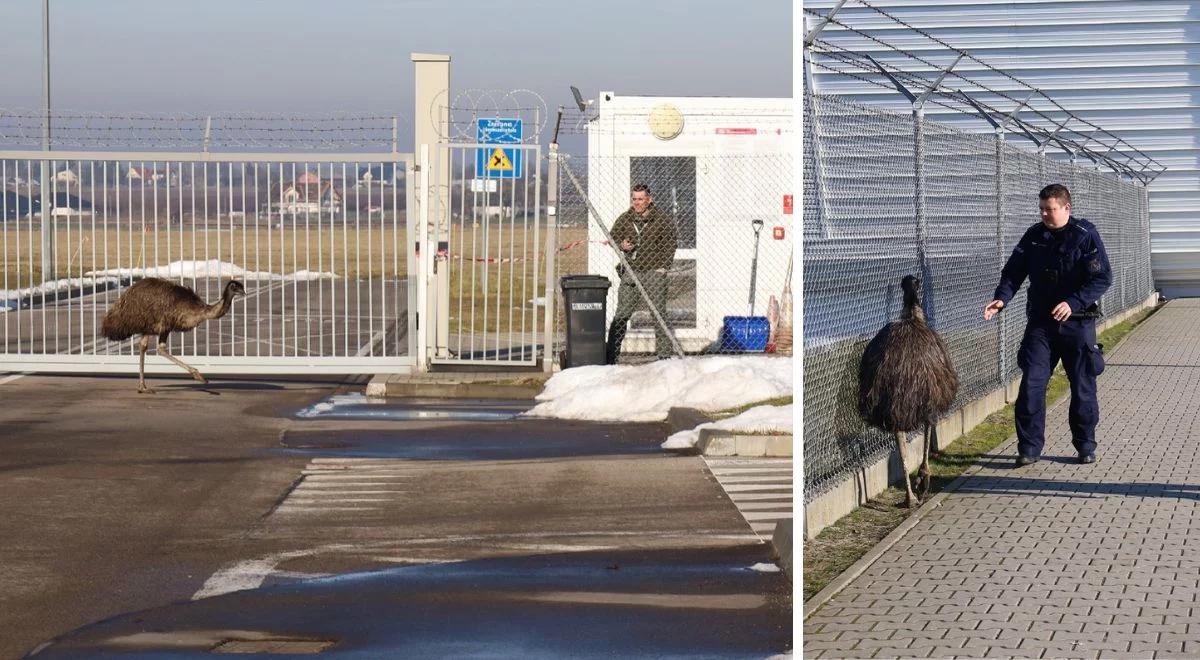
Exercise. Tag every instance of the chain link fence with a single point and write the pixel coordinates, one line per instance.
(862, 235)
(713, 249)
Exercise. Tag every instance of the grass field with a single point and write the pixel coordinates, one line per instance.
(372, 252)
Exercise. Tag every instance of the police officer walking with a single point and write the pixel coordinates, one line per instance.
(1068, 272)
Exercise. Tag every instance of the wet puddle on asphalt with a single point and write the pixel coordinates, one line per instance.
(476, 429)
(359, 406)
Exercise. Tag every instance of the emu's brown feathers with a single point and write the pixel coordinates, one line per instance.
(906, 379)
(154, 306)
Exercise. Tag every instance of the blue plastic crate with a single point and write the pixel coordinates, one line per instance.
(745, 334)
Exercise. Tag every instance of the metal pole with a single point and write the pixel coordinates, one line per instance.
(44, 169)
(207, 133)
(1002, 328)
(758, 225)
(551, 254)
(919, 204)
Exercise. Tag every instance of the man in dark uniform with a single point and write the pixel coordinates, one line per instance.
(648, 238)
(1068, 272)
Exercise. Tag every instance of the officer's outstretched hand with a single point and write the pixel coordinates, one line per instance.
(1061, 312)
(991, 308)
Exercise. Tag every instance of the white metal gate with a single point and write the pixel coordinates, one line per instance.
(320, 242)
(487, 293)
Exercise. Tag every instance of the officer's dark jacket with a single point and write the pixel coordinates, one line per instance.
(1074, 269)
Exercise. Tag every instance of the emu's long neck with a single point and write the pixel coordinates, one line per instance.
(912, 307)
(221, 307)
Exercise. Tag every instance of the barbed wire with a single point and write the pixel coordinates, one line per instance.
(1074, 140)
(22, 127)
(470, 105)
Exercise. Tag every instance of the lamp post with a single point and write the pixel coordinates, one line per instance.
(44, 168)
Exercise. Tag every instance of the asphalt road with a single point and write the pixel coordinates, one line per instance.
(207, 517)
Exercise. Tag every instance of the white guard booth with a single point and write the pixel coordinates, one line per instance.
(715, 164)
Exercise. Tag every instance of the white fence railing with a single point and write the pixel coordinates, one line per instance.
(321, 242)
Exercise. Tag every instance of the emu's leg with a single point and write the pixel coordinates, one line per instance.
(162, 350)
(900, 442)
(925, 477)
(143, 344)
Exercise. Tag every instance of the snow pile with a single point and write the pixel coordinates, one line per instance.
(765, 568)
(48, 288)
(644, 393)
(760, 419)
(210, 268)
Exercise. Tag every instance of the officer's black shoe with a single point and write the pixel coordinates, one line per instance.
(1022, 461)
(1086, 459)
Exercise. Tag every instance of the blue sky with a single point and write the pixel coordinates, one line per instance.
(308, 56)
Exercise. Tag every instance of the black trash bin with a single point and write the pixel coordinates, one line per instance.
(584, 297)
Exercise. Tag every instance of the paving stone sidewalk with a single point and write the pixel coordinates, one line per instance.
(1056, 560)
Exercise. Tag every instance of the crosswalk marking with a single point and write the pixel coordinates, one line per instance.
(760, 488)
(348, 485)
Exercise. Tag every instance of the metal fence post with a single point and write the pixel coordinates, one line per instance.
(422, 268)
(47, 232)
(919, 208)
(1002, 329)
(551, 256)
(44, 170)
(918, 103)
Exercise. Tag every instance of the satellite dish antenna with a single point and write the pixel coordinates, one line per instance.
(579, 99)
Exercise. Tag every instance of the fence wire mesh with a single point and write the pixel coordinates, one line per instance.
(708, 238)
(862, 235)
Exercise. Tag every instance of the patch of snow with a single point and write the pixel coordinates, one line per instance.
(211, 268)
(644, 393)
(765, 568)
(65, 284)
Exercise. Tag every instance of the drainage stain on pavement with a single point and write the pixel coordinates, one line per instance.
(630, 604)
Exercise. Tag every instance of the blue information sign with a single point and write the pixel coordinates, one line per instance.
(495, 161)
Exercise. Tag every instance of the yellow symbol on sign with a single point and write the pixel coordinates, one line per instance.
(499, 161)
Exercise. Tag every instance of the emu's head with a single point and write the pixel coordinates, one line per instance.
(235, 288)
(911, 285)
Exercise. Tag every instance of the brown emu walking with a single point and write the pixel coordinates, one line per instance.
(906, 380)
(154, 306)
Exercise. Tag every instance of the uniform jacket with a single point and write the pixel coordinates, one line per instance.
(1072, 268)
(654, 238)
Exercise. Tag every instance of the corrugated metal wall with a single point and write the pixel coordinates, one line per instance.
(1129, 66)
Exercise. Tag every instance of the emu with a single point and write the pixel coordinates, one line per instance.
(154, 306)
(906, 381)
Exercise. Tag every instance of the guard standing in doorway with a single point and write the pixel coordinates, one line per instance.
(1068, 272)
(648, 237)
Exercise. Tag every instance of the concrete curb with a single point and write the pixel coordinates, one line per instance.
(847, 576)
(457, 386)
(717, 442)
